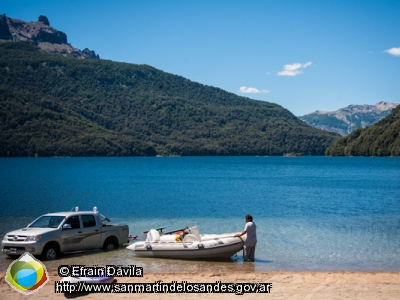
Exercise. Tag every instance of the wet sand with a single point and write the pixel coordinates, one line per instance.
(285, 285)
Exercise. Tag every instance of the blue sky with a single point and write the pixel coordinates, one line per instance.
(303, 55)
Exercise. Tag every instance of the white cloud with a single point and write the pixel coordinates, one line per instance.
(294, 69)
(252, 90)
(393, 51)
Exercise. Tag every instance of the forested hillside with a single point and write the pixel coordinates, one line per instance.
(380, 139)
(52, 105)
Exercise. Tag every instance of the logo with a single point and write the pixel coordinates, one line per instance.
(27, 274)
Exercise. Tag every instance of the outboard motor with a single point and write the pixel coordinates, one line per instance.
(153, 236)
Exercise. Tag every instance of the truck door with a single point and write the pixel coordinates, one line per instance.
(91, 232)
(72, 237)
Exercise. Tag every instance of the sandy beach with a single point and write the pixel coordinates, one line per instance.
(285, 285)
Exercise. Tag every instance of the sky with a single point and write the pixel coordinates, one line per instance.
(303, 55)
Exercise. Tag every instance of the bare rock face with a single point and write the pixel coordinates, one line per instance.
(90, 53)
(350, 118)
(44, 20)
(40, 34)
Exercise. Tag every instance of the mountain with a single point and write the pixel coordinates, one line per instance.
(350, 118)
(60, 105)
(51, 105)
(380, 139)
(41, 35)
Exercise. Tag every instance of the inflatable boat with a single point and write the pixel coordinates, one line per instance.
(188, 245)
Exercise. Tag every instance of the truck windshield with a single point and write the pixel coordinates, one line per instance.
(47, 222)
(103, 219)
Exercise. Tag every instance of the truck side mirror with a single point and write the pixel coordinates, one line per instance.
(66, 226)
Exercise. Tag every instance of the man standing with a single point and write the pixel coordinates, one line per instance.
(249, 246)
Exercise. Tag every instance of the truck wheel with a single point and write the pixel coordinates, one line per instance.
(50, 252)
(110, 244)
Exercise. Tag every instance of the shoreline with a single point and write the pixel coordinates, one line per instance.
(285, 285)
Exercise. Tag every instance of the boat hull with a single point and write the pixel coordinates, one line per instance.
(209, 249)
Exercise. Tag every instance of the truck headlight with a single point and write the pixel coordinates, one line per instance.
(33, 238)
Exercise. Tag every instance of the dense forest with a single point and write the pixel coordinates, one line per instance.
(55, 105)
(380, 139)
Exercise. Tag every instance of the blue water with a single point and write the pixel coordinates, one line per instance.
(312, 213)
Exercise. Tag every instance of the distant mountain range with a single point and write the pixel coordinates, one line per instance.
(56, 100)
(379, 139)
(350, 118)
(41, 35)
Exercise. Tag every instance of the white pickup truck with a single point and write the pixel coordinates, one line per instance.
(53, 234)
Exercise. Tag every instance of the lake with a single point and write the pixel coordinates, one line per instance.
(312, 213)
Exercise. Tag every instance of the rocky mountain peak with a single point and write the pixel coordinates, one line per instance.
(44, 20)
(386, 105)
(41, 35)
(356, 108)
(347, 119)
